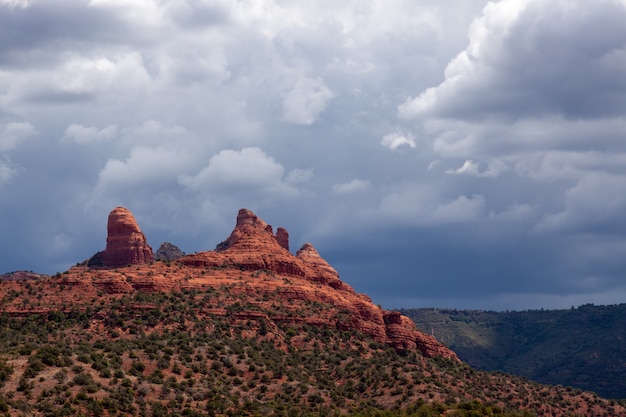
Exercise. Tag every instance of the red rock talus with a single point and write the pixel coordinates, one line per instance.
(126, 243)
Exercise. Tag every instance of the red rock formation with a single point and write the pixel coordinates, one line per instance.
(254, 269)
(126, 243)
(282, 236)
(402, 334)
(250, 233)
(319, 270)
(252, 246)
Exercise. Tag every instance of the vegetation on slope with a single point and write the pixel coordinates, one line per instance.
(581, 347)
(159, 354)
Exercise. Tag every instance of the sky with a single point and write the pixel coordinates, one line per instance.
(456, 154)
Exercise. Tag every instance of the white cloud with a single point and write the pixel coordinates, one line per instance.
(144, 165)
(354, 186)
(297, 176)
(15, 3)
(308, 98)
(74, 78)
(12, 133)
(396, 139)
(491, 169)
(488, 139)
(122, 71)
(249, 168)
(86, 135)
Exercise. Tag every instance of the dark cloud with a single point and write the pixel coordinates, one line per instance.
(39, 34)
(58, 97)
(534, 59)
(199, 14)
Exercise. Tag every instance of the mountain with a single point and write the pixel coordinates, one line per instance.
(246, 329)
(582, 347)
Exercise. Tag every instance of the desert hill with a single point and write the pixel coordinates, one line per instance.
(581, 347)
(246, 329)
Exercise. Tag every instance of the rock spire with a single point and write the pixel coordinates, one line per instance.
(282, 236)
(126, 243)
(253, 234)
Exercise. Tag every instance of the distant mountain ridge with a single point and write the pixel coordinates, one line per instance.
(582, 347)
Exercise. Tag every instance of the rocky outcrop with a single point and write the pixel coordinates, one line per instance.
(402, 334)
(126, 243)
(282, 236)
(319, 270)
(251, 233)
(168, 252)
(252, 246)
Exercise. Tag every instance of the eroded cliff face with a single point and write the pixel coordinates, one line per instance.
(254, 266)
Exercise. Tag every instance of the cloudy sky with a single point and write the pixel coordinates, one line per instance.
(458, 153)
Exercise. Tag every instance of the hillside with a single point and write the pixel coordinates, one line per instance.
(581, 347)
(246, 329)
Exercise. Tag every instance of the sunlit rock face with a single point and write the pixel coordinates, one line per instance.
(126, 243)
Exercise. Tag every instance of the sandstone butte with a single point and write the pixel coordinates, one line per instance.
(126, 243)
(253, 264)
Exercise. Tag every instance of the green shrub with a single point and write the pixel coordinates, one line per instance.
(5, 372)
